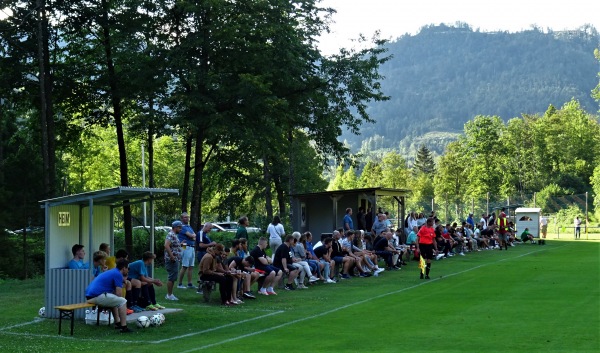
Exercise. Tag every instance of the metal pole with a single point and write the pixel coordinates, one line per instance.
(534, 199)
(446, 216)
(586, 216)
(144, 183)
(487, 204)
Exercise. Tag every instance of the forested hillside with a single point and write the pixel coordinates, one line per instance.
(444, 76)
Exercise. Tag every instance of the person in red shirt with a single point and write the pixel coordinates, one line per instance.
(426, 243)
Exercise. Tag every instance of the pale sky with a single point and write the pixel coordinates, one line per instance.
(397, 17)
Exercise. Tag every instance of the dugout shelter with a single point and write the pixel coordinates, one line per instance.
(322, 212)
(85, 219)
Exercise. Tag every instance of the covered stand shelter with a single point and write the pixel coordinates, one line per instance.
(85, 219)
(322, 212)
(528, 218)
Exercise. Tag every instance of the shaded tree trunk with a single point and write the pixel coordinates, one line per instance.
(196, 206)
(118, 120)
(46, 111)
(267, 181)
(186, 173)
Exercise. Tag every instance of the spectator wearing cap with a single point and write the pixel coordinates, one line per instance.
(172, 257)
(77, 262)
(187, 239)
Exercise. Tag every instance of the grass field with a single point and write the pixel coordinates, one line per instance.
(528, 299)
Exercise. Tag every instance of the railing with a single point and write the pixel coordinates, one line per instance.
(584, 231)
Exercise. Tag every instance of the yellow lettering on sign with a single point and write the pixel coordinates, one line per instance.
(64, 219)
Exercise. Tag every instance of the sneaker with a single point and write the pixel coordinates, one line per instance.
(379, 270)
(289, 287)
(126, 329)
(200, 291)
(376, 274)
(427, 277)
(137, 309)
(171, 297)
(313, 279)
(302, 286)
(344, 276)
(151, 308)
(363, 275)
(439, 256)
(329, 280)
(249, 295)
(181, 286)
(263, 292)
(461, 253)
(160, 307)
(130, 311)
(421, 277)
(190, 286)
(272, 292)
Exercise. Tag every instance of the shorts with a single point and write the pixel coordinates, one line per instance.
(187, 259)
(270, 268)
(502, 235)
(426, 250)
(544, 228)
(338, 259)
(172, 268)
(108, 300)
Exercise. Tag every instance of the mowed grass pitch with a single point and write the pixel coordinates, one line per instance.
(530, 298)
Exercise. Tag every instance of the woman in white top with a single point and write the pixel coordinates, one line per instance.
(276, 233)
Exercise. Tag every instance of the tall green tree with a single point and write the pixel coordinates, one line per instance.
(424, 163)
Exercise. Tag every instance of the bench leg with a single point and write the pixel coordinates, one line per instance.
(65, 314)
(72, 321)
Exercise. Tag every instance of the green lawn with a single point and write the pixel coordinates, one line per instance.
(529, 299)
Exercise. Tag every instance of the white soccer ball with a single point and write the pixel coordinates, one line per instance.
(162, 318)
(142, 322)
(155, 320)
(42, 311)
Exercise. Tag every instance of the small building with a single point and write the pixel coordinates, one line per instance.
(528, 218)
(85, 219)
(323, 212)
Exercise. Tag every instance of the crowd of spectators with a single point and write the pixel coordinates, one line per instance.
(295, 260)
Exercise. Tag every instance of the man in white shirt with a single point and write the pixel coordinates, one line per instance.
(544, 226)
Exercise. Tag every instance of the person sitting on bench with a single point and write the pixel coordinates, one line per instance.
(105, 291)
(78, 255)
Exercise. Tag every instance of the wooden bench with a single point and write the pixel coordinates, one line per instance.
(68, 311)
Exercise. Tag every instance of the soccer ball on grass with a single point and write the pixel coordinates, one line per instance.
(155, 320)
(142, 322)
(42, 311)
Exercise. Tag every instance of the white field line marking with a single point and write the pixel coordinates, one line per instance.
(35, 321)
(129, 341)
(217, 328)
(349, 305)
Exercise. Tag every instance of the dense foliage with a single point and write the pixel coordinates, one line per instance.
(445, 75)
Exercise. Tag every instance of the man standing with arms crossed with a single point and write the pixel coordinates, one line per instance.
(187, 239)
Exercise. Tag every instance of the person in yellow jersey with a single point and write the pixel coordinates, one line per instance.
(503, 229)
(111, 261)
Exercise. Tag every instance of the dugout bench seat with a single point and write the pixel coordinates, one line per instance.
(68, 311)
